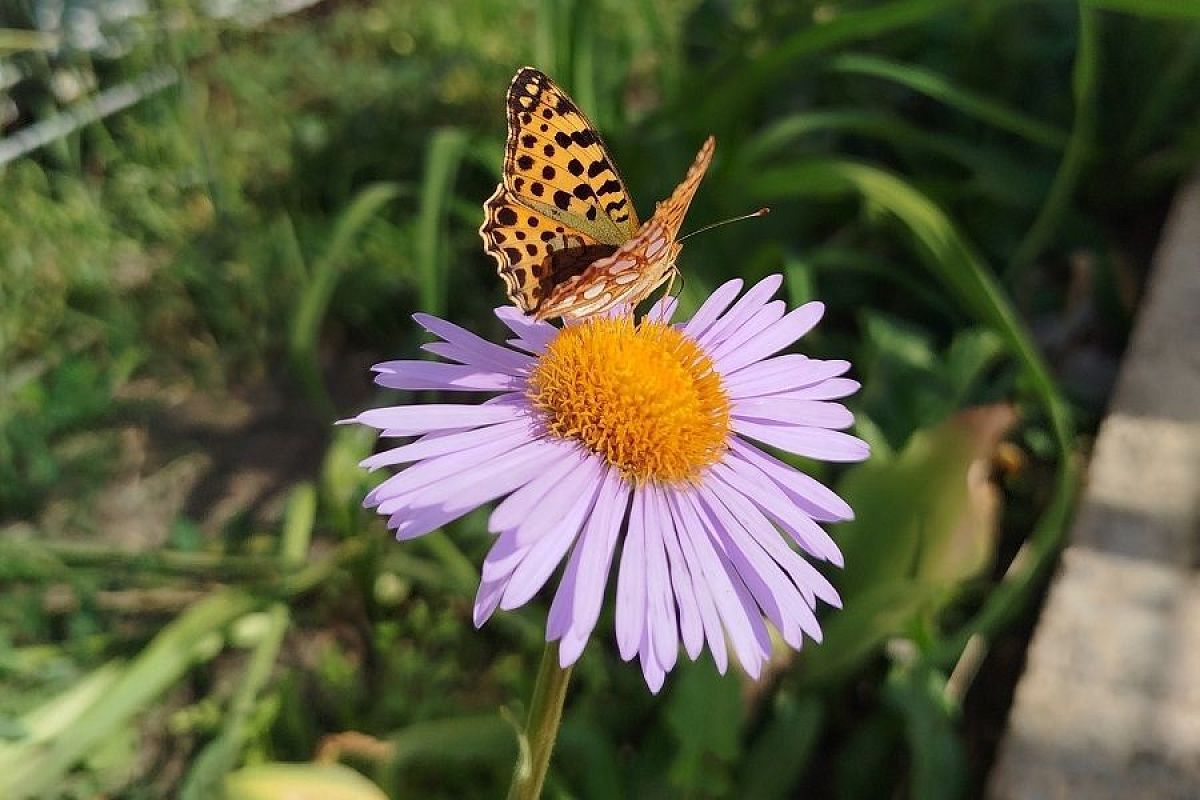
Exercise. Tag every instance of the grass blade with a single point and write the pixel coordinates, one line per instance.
(1083, 131)
(446, 151)
(57, 715)
(781, 753)
(486, 738)
(937, 756)
(728, 99)
(313, 303)
(1169, 89)
(220, 755)
(936, 86)
(1163, 9)
(583, 64)
(156, 668)
(781, 134)
(18, 40)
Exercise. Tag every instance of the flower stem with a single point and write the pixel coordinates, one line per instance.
(541, 729)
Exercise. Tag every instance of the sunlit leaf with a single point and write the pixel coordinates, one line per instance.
(139, 684)
(853, 634)
(300, 782)
(56, 715)
(929, 514)
(925, 520)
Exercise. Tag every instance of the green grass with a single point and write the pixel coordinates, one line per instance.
(270, 224)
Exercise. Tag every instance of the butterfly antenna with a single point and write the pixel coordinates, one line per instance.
(762, 212)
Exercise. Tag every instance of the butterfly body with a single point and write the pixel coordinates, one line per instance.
(561, 225)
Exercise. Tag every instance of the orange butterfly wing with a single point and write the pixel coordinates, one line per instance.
(637, 267)
(561, 226)
(534, 252)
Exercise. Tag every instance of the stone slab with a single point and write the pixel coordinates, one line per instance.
(1109, 703)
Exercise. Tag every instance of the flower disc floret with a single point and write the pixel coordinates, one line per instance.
(643, 396)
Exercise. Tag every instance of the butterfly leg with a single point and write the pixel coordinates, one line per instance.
(675, 272)
(672, 273)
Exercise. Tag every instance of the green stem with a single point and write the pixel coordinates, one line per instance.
(1083, 131)
(541, 730)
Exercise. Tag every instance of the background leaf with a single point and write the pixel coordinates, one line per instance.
(300, 782)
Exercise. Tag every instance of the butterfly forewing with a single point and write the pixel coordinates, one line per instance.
(672, 210)
(555, 161)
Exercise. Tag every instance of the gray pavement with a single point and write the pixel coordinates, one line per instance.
(1109, 703)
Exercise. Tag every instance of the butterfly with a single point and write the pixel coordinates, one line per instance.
(561, 224)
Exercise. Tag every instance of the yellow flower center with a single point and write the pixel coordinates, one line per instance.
(643, 396)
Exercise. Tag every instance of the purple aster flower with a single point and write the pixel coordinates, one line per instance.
(611, 439)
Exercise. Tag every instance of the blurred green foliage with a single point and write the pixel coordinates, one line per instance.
(935, 167)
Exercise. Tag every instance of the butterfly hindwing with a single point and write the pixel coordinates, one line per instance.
(556, 163)
(534, 252)
(639, 266)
